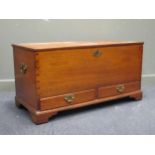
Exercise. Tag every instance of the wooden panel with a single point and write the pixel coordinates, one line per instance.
(63, 71)
(72, 45)
(59, 101)
(112, 91)
(25, 83)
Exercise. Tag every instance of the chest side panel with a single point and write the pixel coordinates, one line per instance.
(72, 70)
(25, 80)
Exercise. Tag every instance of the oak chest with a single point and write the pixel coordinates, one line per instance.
(51, 77)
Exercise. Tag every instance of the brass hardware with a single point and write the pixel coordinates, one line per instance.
(120, 88)
(23, 68)
(69, 98)
(97, 53)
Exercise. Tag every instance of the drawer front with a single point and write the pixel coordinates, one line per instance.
(118, 89)
(67, 99)
(73, 70)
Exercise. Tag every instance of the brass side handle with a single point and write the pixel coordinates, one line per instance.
(120, 88)
(97, 53)
(69, 98)
(23, 68)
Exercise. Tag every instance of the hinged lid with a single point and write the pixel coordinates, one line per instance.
(67, 45)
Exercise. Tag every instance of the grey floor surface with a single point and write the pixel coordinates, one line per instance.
(119, 117)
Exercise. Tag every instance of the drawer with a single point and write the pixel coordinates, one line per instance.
(118, 89)
(67, 99)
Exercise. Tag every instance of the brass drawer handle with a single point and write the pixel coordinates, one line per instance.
(69, 98)
(120, 88)
(23, 68)
(97, 53)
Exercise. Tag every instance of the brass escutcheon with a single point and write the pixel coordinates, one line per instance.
(69, 98)
(120, 88)
(23, 68)
(97, 53)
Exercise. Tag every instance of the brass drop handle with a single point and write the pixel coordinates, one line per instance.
(97, 53)
(23, 68)
(120, 88)
(69, 98)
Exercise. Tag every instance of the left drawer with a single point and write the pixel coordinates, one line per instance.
(67, 99)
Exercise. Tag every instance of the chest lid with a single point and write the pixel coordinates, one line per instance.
(72, 45)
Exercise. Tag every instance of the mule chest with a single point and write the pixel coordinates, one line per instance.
(57, 76)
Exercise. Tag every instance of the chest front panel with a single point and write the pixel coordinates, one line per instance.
(66, 71)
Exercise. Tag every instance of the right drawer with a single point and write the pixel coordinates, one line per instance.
(118, 89)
